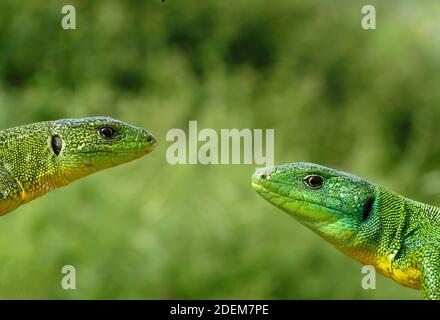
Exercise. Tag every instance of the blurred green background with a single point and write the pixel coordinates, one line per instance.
(367, 102)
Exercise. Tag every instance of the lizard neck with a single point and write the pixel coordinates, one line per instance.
(379, 239)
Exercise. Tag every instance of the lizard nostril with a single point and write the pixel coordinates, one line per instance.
(264, 176)
(150, 138)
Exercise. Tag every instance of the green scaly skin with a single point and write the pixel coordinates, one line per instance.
(40, 157)
(399, 236)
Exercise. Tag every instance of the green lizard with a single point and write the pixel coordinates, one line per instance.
(399, 236)
(39, 157)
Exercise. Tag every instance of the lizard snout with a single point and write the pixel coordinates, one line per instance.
(262, 174)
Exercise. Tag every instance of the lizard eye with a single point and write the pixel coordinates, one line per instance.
(107, 133)
(314, 181)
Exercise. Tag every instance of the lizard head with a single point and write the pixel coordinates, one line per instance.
(333, 204)
(84, 146)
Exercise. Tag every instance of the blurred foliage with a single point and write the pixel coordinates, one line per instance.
(366, 102)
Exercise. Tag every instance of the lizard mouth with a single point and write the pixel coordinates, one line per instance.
(133, 148)
(258, 187)
(271, 196)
